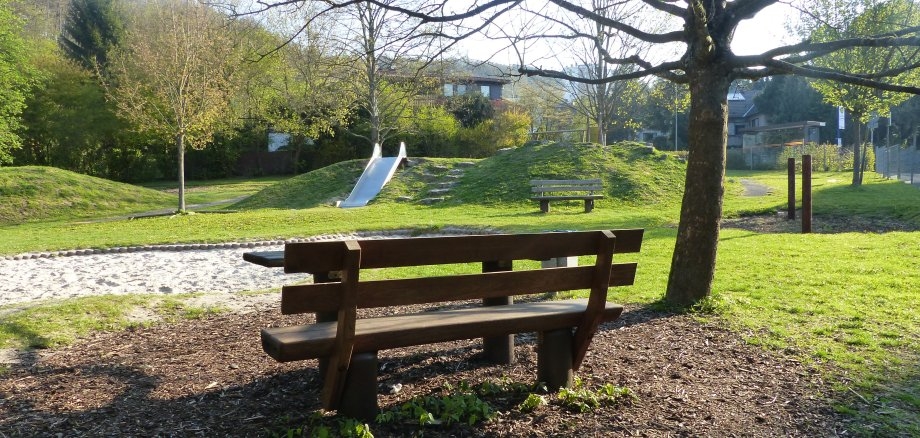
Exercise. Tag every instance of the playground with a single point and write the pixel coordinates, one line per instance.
(776, 352)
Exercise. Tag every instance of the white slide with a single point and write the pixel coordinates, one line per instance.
(376, 174)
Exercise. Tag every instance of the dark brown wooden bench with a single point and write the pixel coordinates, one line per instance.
(546, 190)
(347, 346)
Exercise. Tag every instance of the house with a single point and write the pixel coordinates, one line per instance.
(742, 115)
(491, 87)
(748, 127)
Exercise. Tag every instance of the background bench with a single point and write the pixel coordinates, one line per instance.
(347, 346)
(546, 190)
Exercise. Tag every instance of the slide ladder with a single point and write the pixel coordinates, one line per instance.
(376, 174)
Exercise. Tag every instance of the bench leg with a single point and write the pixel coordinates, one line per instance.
(359, 397)
(554, 359)
(325, 317)
(544, 206)
(589, 205)
(498, 349)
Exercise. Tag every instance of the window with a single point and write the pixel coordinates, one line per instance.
(448, 90)
(486, 91)
(461, 89)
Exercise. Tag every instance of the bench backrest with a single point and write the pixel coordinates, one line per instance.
(492, 250)
(566, 185)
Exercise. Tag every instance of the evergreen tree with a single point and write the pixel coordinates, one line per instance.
(91, 30)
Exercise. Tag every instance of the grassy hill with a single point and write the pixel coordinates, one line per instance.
(632, 174)
(32, 193)
(311, 189)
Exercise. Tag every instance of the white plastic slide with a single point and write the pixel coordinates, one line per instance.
(376, 174)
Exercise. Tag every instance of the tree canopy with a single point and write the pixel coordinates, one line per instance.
(15, 81)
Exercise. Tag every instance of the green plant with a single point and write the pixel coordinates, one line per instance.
(448, 409)
(581, 399)
(532, 402)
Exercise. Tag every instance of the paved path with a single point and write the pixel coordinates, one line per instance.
(752, 188)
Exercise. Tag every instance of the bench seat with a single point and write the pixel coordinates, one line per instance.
(286, 344)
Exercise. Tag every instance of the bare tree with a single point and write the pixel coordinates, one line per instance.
(693, 48)
(605, 103)
(173, 74)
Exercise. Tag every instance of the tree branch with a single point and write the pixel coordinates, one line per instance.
(669, 37)
(813, 73)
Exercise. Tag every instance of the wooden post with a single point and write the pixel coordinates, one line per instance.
(498, 349)
(790, 164)
(806, 193)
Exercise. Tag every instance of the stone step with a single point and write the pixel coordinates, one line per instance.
(429, 201)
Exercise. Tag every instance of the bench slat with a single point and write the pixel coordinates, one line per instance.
(325, 297)
(567, 189)
(566, 198)
(317, 340)
(315, 257)
(536, 182)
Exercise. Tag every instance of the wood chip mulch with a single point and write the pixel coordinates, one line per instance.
(209, 377)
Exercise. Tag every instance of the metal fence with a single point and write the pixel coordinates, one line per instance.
(896, 162)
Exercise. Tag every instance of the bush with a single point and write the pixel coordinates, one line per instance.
(435, 133)
(508, 129)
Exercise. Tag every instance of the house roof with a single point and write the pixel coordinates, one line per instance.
(741, 103)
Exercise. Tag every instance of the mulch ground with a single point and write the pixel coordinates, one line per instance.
(210, 377)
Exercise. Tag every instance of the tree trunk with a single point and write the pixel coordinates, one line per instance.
(180, 145)
(694, 260)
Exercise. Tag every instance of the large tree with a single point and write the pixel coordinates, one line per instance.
(175, 74)
(699, 33)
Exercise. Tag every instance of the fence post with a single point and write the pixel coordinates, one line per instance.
(790, 164)
(806, 193)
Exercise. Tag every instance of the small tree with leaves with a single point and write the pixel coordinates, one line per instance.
(864, 102)
(174, 75)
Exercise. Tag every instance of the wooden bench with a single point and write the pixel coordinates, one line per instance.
(571, 189)
(347, 346)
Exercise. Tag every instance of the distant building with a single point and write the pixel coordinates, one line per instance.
(490, 87)
(748, 127)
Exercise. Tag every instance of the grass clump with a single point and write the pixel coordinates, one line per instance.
(55, 323)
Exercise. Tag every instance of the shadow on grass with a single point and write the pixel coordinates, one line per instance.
(888, 406)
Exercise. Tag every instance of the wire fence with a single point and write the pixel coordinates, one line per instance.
(901, 163)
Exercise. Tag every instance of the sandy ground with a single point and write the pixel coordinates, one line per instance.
(163, 272)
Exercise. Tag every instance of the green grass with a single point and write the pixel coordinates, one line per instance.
(58, 322)
(30, 194)
(217, 190)
(843, 302)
